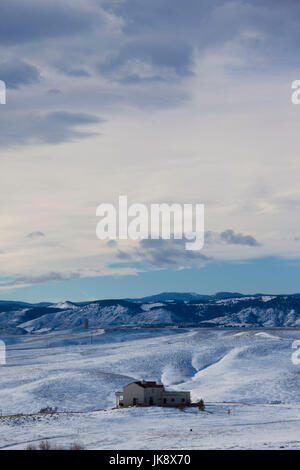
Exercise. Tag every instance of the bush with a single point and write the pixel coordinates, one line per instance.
(48, 410)
(201, 405)
(46, 445)
(76, 446)
(30, 447)
(181, 408)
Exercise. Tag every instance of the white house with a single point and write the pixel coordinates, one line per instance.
(150, 393)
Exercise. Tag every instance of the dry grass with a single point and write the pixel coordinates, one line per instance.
(46, 445)
(76, 446)
(30, 447)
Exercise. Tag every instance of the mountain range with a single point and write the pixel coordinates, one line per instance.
(224, 309)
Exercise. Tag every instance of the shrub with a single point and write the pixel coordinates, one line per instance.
(76, 446)
(201, 405)
(45, 445)
(181, 408)
(30, 447)
(48, 410)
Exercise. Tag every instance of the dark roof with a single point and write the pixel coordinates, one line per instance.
(149, 384)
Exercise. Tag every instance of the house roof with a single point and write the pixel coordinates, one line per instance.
(145, 384)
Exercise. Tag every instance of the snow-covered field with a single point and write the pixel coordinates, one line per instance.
(249, 372)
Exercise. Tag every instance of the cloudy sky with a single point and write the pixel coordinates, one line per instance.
(162, 101)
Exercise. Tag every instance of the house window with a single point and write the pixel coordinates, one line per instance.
(183, 400)
(165, 400)
(134, 401)
(172, 399)
(150, 401)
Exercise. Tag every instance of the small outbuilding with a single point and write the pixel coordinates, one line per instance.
(144, 393)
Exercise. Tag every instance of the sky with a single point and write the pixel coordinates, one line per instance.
(165, 102)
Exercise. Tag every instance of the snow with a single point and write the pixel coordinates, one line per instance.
(267, 298)
(64, 305)
(247, 427)
(251, 311)
(233, 300)
(263, 334)
(254, 316)
(150, 306)
(250, 372)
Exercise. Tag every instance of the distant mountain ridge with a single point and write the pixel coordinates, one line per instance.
(164, 296)
(224, 309)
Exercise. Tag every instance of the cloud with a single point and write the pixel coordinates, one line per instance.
(31, 21)
(139, 53)
(35, 235)
(123, 255)
(18, 73)
(24, 281)
(54, 91)
(232, 238)
(166, 33)
(77, 73)
(71, 71)
(111, 243)
(142, 17)
(229, 237)
(52, 128)
(162, 253)
(148, 59)
(60, 126)
(181, 86)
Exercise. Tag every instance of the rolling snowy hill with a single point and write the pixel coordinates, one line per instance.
(249, 371)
